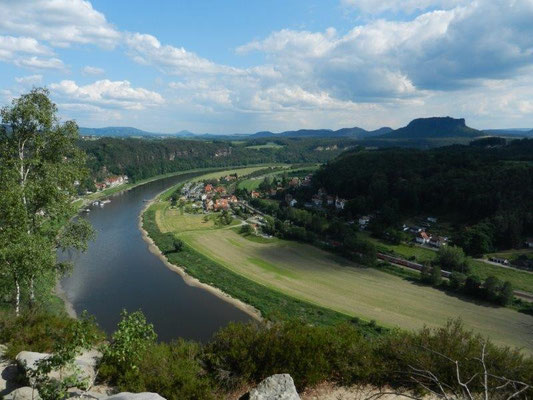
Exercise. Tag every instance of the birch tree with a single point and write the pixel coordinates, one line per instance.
(40, 165)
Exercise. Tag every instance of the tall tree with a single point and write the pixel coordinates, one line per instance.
(39, 170)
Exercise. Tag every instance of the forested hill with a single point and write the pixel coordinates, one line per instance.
(143, 158)
(486, 187)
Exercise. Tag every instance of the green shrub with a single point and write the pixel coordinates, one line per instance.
(35, 330)
(252, 352)
(173, 371)
(128, 346)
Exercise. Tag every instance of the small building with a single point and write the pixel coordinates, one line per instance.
(255, 194)
(422, 237)
(330, 200)
(220, 189)
(273, 192)
(437, 241)
(293, 202)
(339, 203)
(233, 199)
(209, 205)
(208, 188)
(433, 220)
(529, 242)
(221, 204)
(114, 181)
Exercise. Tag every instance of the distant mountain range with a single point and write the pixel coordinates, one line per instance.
(120, 131)
(418, 129)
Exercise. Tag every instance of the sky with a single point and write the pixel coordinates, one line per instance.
(241, 66)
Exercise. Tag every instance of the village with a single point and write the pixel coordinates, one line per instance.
(227, 194)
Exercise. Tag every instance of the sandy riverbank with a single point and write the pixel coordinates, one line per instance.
(188, 279)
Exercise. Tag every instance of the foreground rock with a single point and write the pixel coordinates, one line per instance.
(23, 393)
(85, 364)
(275, 387)
(8, 373)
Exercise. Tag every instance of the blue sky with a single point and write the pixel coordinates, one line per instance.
(244, 66)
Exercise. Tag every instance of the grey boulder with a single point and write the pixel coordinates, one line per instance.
(275, 387)
(85, 364)
(23, 393)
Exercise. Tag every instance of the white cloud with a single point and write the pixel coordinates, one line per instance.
(88, 70)
(30, 79)
(106, 93)
(146, 49)
(437, 50)
(27, 52)
(40, 63)
(60, 22)
(405, 6)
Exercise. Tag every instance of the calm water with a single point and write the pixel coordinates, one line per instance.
(118, 271)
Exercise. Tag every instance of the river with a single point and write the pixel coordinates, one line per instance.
(119, 272)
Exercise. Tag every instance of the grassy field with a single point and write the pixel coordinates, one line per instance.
(521, 280)
(271, 303)
(312, 275)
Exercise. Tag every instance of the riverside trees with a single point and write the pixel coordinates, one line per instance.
(39, 170)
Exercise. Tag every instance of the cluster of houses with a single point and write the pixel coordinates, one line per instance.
(111, 181)
(321, 199)
(208, 196)
(425, 238)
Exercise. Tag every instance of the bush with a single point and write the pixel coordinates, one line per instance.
(252, 352)
(128, 345)
(35, 330)
(172, 370)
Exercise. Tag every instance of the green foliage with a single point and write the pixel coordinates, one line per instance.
(144, 158)
(452, 258)
(457, 280)
(34, 330)
(128, 345)
(309, 354)
(244, 353)
(178, 245)
(246, 229)
(486, 191)
(173, 370)
(80, 336)
(40, 165)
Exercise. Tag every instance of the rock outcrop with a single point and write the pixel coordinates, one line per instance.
(84, 365)
(8, 373)
(275, 387)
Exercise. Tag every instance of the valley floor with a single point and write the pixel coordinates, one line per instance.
(310, 274)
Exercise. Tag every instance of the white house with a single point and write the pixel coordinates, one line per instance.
(422, 237)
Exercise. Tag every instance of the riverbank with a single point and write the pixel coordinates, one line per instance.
(188, 279)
